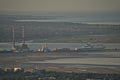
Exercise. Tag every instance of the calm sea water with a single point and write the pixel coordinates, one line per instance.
(90, 18)
(35, 46)
(96, 61)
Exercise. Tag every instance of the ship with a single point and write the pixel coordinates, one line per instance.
(91, 47)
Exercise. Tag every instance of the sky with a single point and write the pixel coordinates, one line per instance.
(59, 5)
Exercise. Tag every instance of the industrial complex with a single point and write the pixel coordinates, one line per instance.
(44, 48)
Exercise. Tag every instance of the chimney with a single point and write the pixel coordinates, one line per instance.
(13, 39)
(23, 35)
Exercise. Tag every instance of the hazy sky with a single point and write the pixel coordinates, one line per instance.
(60, 5)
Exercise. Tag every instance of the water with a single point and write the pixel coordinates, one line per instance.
(76, 20)
(89, 18)
(96, 61)
(35, 46)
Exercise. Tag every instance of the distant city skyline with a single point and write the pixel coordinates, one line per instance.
(60, 5)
